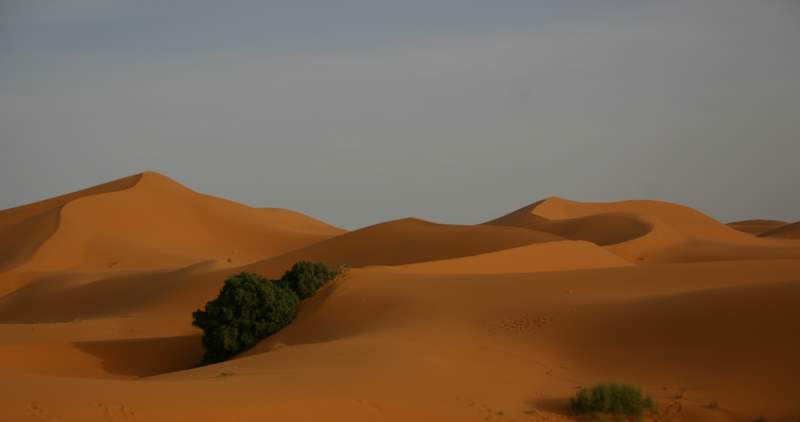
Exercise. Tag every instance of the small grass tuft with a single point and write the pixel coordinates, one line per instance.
(614, 399)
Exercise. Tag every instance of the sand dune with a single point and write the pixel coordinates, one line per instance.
(495, 322)
(181, 290)
(145, 222)
(788, 231)
(23, 229)
(646, 231)
(601, 229)
(550, 256)
(756, 227)
(411, 240)
(679, 218)
(69, 295)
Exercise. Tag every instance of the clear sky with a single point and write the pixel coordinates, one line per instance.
(357, 112)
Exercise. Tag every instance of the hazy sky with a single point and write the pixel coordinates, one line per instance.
(357, 112)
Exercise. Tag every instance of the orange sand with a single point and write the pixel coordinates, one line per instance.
(495, 322)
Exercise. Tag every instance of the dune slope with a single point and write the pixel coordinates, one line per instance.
(144, 222)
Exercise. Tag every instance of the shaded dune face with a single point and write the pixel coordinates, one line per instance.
(756, 227)
(600, 229)
(647, 231)
(788, 231)
(118, 358)
(499, 321)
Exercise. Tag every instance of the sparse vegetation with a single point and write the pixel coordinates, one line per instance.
(612, 399)
(250, 307)
(305, 278)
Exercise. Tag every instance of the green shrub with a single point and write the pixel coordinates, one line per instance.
(614, 399)
(305, 278)
(248, 308)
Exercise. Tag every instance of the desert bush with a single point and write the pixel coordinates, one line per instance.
(248, 308)
(305, 278)
(614, 399)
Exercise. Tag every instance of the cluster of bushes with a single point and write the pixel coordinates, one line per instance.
(250, 307)
(305, 278)
(612, 399)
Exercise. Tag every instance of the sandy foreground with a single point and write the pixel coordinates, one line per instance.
(501, 321)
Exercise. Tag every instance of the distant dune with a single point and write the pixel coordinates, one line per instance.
(646, 231)
(756, 227)
(501, 321)
(788, 231)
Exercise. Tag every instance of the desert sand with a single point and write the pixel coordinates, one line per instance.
(500, 321)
